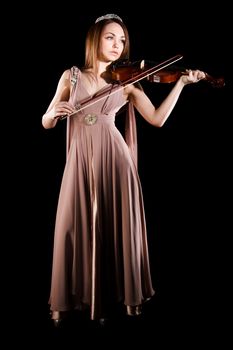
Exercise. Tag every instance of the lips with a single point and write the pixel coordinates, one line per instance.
(114, 53)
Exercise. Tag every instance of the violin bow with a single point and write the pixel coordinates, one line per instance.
(89, 101)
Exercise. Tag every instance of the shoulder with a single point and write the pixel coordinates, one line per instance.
(65, 80)
(66, 75)
(69, 76)
(74, 70)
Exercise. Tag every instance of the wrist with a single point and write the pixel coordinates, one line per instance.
(48, 121)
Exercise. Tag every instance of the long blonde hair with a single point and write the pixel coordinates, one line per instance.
(93, 41)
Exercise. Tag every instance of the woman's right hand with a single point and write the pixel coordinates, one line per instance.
(61, 109)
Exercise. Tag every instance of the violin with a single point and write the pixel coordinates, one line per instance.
(123, 70)
(125, 73)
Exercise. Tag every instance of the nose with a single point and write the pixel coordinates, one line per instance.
(115, 44)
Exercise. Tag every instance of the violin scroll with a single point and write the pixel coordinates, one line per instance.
(215, 82)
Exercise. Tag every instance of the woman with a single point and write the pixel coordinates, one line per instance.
(100, 254)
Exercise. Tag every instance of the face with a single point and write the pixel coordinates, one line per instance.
(112, 41)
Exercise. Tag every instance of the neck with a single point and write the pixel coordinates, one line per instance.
(101, 68)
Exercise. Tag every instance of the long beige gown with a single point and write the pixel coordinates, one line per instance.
(100, 255)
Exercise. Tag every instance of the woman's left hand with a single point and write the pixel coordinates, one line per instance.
(193, 76)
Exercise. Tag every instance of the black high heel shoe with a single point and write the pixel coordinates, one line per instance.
(56, 317)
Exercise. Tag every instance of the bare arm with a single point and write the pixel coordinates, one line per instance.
(158, 116)
(59, 105)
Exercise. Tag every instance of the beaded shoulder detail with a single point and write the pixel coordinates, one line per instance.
(74, 75)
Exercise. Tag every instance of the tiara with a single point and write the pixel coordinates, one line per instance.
(108, 16)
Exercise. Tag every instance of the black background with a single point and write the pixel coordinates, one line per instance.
(184, 170)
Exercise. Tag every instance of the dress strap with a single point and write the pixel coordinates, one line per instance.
(74, 75)
(131, 132)
(74, 72)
